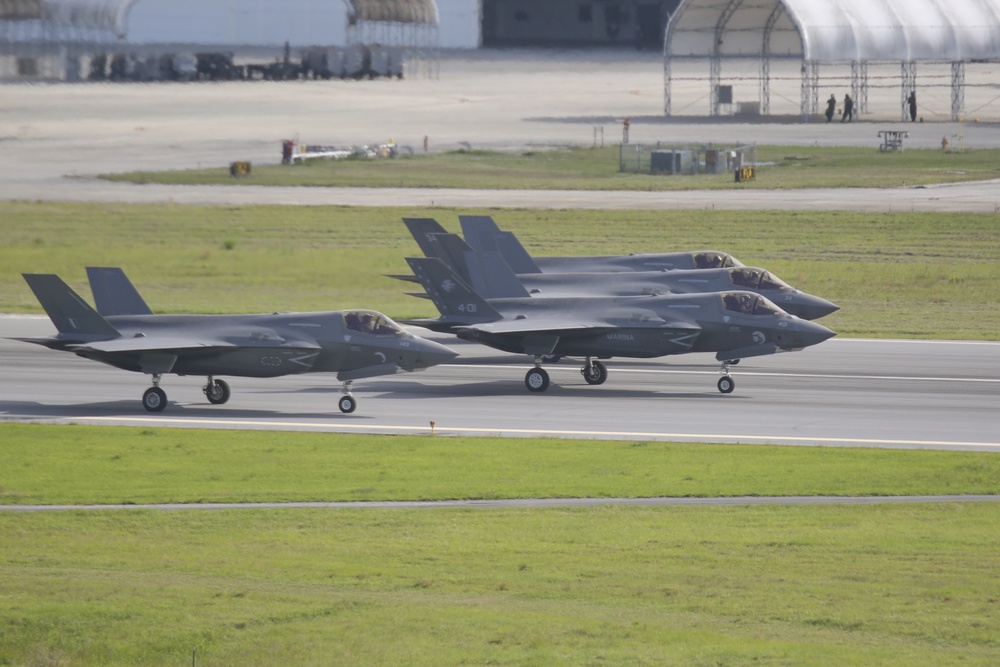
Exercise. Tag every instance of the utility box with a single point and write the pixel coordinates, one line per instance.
(671, 162)
(664, 162)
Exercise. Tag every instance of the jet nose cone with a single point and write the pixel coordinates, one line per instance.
(810, 333)
(810, 307)
(427, 353)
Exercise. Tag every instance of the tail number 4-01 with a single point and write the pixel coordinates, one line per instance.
(467, 308)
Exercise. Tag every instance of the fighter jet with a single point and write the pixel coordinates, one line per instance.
(483, 234)
(354, 344)
(492, 278)
(733, 324)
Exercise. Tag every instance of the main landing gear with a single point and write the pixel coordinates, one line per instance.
(537, 379)
(347, 404)
(216, 391)
(155, 399)
(594, 372)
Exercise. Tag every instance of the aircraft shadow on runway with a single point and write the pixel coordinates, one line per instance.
(514, 387)
(20, 410)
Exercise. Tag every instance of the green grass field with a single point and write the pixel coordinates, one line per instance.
(598, 169)
(921, 275)
(773, 585)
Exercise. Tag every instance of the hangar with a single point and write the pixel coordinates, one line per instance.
(832, 36)
(48, 38)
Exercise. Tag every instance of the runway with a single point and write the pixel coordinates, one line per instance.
(844, 392)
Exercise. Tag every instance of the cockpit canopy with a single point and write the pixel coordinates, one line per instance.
(749, 304)
(714, 260)
(370, 322)
(756, 279)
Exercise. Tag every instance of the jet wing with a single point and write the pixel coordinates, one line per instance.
(179, 345)
(564, 327)
(532, 326)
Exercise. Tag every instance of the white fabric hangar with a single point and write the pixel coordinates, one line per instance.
(833, 32)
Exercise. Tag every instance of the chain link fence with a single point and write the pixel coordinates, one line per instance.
(685, 159)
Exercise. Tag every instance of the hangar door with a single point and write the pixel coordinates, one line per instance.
(574, 23)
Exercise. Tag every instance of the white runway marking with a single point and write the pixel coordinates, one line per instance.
(613, 435)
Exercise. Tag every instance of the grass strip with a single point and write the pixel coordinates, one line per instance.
(887, 585)
(599, 169)
(45, 464)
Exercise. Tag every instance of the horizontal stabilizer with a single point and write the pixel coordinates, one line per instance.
(406, 278)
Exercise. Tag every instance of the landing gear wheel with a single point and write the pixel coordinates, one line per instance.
(347, 404)
(536, 380)
(595, 373)
(726, 384)
(154, 400)
(217, 392)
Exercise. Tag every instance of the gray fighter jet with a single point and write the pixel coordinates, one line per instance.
(483, 234)
(354, 344)
(733, 324)
(492, 278)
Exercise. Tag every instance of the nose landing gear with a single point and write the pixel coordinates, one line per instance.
(347, 403)
(726, 382)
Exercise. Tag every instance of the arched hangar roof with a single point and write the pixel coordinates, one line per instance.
(112, 15)
(837, 30)
(98, 14)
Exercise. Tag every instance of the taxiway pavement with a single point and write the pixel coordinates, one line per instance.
(844, 392)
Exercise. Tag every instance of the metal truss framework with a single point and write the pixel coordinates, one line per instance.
(810, 70)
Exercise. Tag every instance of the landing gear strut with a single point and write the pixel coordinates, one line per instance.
(347, 404)
(154, 399)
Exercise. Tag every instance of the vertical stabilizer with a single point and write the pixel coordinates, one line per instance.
(423, 231)
(114, 293)
(71, 315)
(454, 252)
(492, 278)
(483, 234)
(451, 295)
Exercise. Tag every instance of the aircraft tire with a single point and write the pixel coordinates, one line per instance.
(537, 380)
(595, 373)
(154, 399)
(217, 392)
(347, 404)
(726, 384)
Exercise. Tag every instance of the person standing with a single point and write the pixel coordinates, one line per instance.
(848, 109)
(831, 108)
(912, 101)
